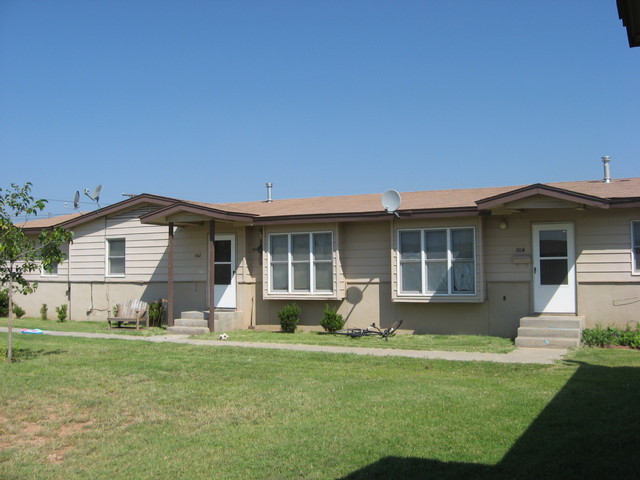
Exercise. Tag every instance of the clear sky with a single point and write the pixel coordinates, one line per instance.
(208, 100)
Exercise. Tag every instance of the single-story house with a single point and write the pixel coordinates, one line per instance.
(463, 261)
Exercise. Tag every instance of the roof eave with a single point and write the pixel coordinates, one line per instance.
(541, 189)
(368, 216)
(160, 217)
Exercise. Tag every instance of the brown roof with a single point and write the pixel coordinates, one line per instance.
(49, 222)
(433, 200)
(434, 203)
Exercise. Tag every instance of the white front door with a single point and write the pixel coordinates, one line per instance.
(225, 272)
(554, 268)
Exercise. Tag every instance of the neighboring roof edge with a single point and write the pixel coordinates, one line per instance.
(541, 189)
(629, 13)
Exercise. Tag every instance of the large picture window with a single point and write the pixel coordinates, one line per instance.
(301, 263)
(116, 257)
(635, 246)
(437, 261)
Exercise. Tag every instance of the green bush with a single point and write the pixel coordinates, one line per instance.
(611, 336)
(156, 313)
(44, 310)
(289, 317)
(4, 303)
(18, 311)
(62, 313)
(332, 321)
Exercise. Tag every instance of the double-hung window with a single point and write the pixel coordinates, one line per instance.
(116, 257)
(635, 246)
(301, 263)
(439, 261)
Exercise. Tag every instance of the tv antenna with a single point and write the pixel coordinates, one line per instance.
(95, 195)
(391, 201)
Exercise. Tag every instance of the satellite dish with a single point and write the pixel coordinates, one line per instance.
(391, 201)
(76, 200)
(95, 196)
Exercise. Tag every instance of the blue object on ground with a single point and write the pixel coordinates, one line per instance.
(31, 330)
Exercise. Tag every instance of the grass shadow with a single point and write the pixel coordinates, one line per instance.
(20, 354)
(591, 429)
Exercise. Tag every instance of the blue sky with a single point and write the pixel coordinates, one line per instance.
(208, 100)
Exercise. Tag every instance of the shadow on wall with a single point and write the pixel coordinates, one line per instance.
(589, 430)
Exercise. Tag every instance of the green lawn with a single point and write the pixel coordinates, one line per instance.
(469, 343)
(76, 408)
(80, 326)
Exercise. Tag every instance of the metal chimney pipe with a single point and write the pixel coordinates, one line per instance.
(607, 172)
(269, 189)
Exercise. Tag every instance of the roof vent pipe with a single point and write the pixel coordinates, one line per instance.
(607, 173)
(269, 189)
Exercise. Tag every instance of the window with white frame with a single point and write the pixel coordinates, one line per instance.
(115, 257)
(438, 261)
(635, 245)
(301, 263)
(50, 271)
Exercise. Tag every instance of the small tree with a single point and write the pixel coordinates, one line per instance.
(21, 254)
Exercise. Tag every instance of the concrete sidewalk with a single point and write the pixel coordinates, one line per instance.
(519, 355)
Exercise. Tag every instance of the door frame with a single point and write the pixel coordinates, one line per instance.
(230, 296)
(554, 298)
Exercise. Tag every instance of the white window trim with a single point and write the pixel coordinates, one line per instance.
(290, 292)
(107, 257)
(634, 242)
(45, 274)
(425, 293)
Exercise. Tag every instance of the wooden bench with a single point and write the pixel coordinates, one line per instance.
(132, 311)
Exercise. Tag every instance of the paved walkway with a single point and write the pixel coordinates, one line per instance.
(519, 355)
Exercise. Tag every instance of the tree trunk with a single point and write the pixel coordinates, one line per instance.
(9, 318)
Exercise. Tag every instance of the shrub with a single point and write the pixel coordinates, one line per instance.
(611, 336)
(62, 313)
(156, 313)
(18, 311)
(289, 317)
(332, 321)
(43, 311)
(4, 304)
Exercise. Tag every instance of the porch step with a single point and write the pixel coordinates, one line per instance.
(550, 331)
(197, 323)
(190, 323)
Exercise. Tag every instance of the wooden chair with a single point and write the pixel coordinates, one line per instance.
(132, 311)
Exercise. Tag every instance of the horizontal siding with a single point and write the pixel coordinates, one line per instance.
(365, 252)
(603, 243)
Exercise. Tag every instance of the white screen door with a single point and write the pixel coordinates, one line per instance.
(554, 277)
(225, 272)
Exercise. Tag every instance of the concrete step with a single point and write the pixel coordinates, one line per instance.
(553, 321)
(551, 342)
(188, 330)
(549, 332)
(196, 315)
(190, 322)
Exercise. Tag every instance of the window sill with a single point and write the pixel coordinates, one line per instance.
(475, 298)
(301, 296)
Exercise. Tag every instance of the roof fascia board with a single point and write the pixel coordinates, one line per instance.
(159, 216)
(369, 216)
(540, 189)
(116, 207)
